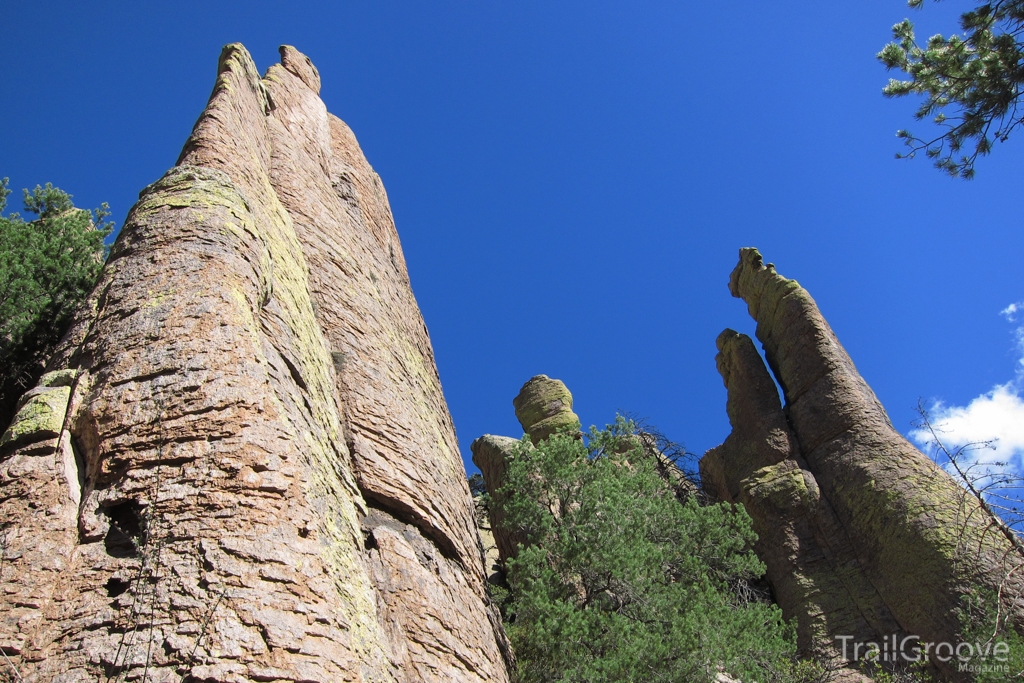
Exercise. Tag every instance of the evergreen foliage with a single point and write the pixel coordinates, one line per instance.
(984, 625)
(48, 266)
(978, 76)
(477, 487)
(621, 581)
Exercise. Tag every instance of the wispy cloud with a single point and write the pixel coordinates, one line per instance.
(995, 417)
(1011, 311)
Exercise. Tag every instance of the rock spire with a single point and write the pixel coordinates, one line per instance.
(862, 534)
(240, 465)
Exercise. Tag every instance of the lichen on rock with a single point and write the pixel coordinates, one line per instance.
(205, 509)
(862, 534)
(41, 412)
(543, 407)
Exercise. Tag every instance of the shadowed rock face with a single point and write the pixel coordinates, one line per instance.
(241, 465)
(862, 534)
(491, 454)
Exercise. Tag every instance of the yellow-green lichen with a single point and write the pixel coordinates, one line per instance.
(58, 378)
(41, 416)
(159, 298)
(782, 486)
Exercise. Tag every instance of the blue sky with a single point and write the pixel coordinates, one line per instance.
(572, 181)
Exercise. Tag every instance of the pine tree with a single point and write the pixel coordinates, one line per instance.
(976, 77)
(48, 266)
(622, 581)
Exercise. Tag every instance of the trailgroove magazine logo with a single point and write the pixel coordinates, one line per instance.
(978, 657)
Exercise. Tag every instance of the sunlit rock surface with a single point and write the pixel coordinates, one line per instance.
(247, 471)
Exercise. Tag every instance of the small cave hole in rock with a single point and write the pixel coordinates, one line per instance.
(115, 587)
(127, 532)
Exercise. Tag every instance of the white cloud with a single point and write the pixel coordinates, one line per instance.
(1010, 312)
(996, 416)
(1019, 332)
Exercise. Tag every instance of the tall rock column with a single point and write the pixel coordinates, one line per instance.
(424, 549)
(917, 543)
(186, 495)
(812, 567)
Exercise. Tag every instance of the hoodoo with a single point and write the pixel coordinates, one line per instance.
(240, 465)
(863, 535)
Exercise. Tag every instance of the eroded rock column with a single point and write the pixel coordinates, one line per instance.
(242, 467)
(904, 540)
(813, 569)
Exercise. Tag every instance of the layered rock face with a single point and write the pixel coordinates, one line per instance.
(862, 534)
(241, 466)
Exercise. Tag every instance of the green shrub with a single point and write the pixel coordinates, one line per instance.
(620, 581)
(987, 628)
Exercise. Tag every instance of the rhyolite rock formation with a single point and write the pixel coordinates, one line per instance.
(543, 406)
(490, 454)
(240, 465)
(862, 534)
